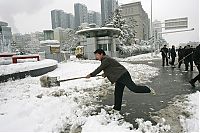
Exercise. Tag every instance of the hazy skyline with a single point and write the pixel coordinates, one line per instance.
(27, 16)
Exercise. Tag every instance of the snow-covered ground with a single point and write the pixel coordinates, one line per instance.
(26, 106)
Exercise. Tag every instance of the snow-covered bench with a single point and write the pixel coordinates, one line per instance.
(15, 57)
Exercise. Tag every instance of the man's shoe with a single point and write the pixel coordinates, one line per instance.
(152, 91)
(192, 83)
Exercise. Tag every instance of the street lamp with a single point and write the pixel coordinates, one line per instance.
(151, 30)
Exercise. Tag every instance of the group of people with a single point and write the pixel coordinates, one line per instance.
(188, 55)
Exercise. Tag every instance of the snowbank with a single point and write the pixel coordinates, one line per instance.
(143, 57)
(26, 66)
(191, 122)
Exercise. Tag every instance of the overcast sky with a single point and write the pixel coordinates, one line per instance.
(27, 16)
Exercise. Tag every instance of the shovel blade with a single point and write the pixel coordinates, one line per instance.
(48, 82)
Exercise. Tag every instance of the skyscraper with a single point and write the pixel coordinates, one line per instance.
(56, 16)
(107, 9)
(5, 37)
(59, 18)
(81, 14)
(70, 21)
(94, 17)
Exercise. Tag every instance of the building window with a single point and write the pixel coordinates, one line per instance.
(102, 46)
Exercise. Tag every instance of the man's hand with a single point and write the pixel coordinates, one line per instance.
(88, 76)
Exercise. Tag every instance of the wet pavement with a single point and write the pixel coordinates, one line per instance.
(169, 83)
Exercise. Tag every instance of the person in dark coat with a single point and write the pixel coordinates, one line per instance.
(196, 58)
(164, 51)
(188, 55)
(173, 55)
(180, 56)
(118, 74)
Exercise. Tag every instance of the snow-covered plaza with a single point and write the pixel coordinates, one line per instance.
(25, 106)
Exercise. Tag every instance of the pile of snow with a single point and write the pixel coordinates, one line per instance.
(134, 49)
(26, 66)
(143, 57)
(191, 123)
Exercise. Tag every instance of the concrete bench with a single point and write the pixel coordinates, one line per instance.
(15, 57)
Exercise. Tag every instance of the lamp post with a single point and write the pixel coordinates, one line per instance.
(151, 30)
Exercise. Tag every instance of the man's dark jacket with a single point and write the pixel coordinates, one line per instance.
(196, 55)
(113, 70)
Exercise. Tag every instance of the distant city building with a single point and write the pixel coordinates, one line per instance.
(5, 37)
(28, 43)
(59, 18)
(107, 9)
(81, 14)
(70, 21)
(94, 17)
(48, 35)
(56, 18)
(157, 28)
(59, 34)
(135, 12)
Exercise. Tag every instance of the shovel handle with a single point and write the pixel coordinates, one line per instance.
(73, 78)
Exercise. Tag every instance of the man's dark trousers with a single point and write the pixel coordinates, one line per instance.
(198, 76)
(125, 80)
(163, 60)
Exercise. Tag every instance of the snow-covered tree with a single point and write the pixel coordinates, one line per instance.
(70, 40)
(127, 27)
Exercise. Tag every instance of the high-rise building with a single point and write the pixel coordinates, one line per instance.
(107, 9)
(81, 14)
(94, 17)
(70, 21)
(134, 13)
(56, 18)
(5, 37)
(61, 19)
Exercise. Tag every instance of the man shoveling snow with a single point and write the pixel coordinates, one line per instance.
(118, 74)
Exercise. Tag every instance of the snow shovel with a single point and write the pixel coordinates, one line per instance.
(183, 58)
(46, 81)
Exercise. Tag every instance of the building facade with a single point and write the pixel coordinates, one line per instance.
(81, 14)
(133, 12)
(157, 28)
(48, 35)
(5, 37)
(61, 19)
(70, 20)
(94, 17)
(107, 9)
(57, 18)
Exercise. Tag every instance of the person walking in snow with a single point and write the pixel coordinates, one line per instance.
(118, 74)
(196, 58)
(188, 54)
(180, 56)
(173, 55)
(164, 51)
